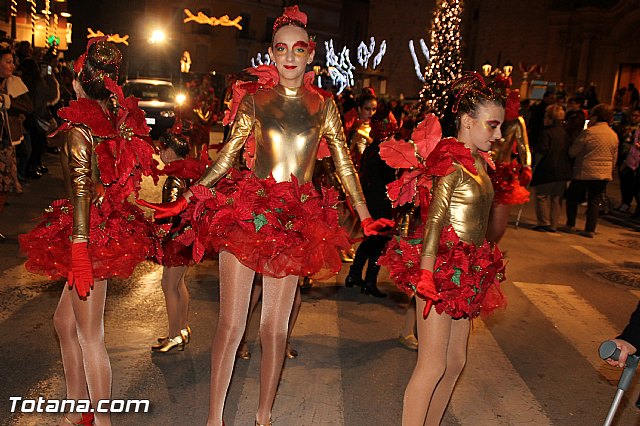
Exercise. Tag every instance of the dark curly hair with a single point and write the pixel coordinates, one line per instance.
(177, 142)
(103, 60)
(465, 95)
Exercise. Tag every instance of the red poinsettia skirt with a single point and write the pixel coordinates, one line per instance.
(467, 277)
(120, 238)
(506, 184)
(173, 252)
(274, 228)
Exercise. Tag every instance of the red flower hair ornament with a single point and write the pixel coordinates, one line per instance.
(294, 16)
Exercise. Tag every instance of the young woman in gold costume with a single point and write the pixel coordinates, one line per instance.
(454, 272)
(271, 220)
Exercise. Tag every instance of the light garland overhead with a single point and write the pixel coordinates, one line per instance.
(201, 18)
(115, 38)
(261, 60)
(339, 66)
(416, 62)
(365, 52)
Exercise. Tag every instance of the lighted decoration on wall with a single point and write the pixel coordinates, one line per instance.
(185, 61)
(340, 67)
(365, 52)
(116, 38)
(416, 63)
(260, 60)
(201, 18)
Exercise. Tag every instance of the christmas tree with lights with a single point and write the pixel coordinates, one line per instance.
(445, 63)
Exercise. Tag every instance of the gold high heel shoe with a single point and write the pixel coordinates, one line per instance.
(243, 352)
(185, 333)
(290, 352)
(268, 424)
(168, 344)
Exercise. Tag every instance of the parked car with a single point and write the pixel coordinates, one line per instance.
(158, 99)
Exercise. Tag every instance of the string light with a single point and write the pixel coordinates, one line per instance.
(47, 12)
(445, 63)
(14, 8)
(33, 18)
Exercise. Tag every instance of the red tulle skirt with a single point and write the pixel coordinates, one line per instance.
(506, 184)
(120, 238)
(274, 228)
(467, 277)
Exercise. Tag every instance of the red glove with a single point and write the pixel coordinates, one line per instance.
(525, 176)
(81, 274)
(163, 210)
(373, 227)
(426, 289)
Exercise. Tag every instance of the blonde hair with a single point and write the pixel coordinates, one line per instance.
(554, 112)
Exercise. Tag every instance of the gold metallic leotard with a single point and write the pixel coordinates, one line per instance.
(463, 200)
(287, 125)
(513, 132)
(360, 138)
(81, 176)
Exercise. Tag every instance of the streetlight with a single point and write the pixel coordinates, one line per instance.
(507, 68)
(486, 68)
(157, 36)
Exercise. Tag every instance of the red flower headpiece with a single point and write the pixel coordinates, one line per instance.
(291, 16)
(79, 63)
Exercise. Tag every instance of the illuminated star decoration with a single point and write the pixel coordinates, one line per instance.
(201, 18)
(340, 67)
(258, 60)
(446, 62)
(416, 62)
(115, 38)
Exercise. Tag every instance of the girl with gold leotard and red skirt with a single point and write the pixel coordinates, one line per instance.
(270, 219)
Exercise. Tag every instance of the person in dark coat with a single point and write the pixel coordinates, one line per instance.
(553, 170)
(535, 125)
(629, 340)
(375, 174)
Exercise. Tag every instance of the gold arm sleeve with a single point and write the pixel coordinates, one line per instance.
(522, 142)
(334, 135)
(240, 131)
(439, 211)
(79, 157)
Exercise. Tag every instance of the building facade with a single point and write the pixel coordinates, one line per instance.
(578, 42)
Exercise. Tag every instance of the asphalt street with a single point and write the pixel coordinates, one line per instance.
(535, 363)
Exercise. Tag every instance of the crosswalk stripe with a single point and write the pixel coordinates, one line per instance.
(594, 256)
(490, 391)
(582, 325)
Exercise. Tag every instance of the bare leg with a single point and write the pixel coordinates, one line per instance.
(176, 298)
(277, 301)
(456, 359)
(89, 314)
(235, 293)
(433, 345)
(498, 221)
